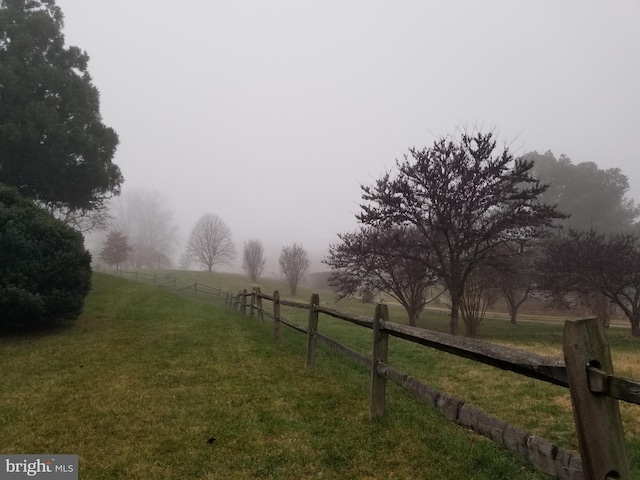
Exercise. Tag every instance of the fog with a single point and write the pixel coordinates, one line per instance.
(271, 114)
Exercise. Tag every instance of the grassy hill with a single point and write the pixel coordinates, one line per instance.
(150, 384)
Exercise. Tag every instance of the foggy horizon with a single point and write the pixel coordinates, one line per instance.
(285, 108)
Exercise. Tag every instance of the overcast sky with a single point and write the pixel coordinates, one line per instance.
(271, 114)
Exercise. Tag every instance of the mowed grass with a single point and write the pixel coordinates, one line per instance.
(147, 384)
(531, 405)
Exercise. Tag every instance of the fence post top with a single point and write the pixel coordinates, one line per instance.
(587, 328)
(382, 312)
(585, 320)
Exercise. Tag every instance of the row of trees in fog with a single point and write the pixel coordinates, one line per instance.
(469, 219)
(143, 234)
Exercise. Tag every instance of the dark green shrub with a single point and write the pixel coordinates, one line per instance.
(45, 271)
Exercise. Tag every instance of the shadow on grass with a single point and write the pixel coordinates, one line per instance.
(13, 330)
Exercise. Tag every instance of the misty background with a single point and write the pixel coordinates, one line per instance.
(272, 114)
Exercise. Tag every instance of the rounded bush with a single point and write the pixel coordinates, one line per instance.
(45, 271)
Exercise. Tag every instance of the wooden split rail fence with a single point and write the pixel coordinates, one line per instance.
(587, 371)
(195, 288)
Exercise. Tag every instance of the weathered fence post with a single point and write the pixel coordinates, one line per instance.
(380, 354)
(312, 328)
(276, 314)
(252, 310)
(226, 300)
(243, 302)
(259, 306)
(195, 288)
(597, 417)
(238, 304)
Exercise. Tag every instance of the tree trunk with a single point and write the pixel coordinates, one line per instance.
(513, 311)
(412, 318)
(635, 324)
(455, 309)
(514, 302)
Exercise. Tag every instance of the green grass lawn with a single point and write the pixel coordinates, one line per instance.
(529, 404)
(149, 384)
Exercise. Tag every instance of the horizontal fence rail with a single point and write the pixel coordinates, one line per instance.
(355, 319)
(346, 351)
(506, 358)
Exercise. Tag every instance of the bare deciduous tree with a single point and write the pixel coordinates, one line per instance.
(383, 260)
(465, 198)
(479, 294)
(210, 243)
(584, 262)
(146, 219)
(294, 264)
(514, 274)
(253, 259)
